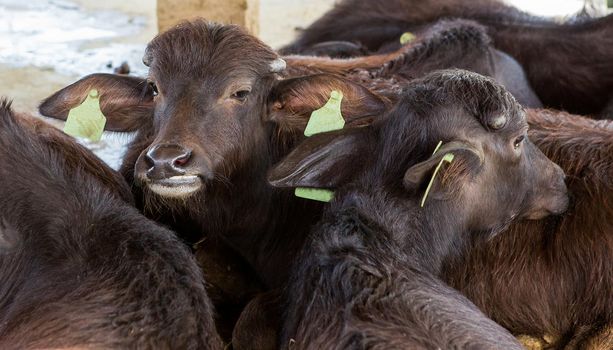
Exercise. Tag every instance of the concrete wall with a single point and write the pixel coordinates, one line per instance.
(281, 20)
(241, 12)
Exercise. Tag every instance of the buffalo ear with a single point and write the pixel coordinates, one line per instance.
(292, 101)
(436, 174)
(325, 160)
(127, 102)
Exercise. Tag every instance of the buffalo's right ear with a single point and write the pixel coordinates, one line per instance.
(292, 101)
(465, 157)
(126, 101)
(325, 160)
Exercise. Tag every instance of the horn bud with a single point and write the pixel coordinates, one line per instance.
(148, 57)
(498, 122)
(277, 65)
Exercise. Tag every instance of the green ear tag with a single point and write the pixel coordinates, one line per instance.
(315, 194)
(86, 120)
(406, 38)
(327, 118)
(446, 158)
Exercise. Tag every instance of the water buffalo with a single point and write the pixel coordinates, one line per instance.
(368, 276)
(219, 108)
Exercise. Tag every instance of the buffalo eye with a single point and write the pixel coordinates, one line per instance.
(518, 141)
(241, 95)
(153, 88)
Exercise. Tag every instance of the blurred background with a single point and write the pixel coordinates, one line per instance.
(48, 44)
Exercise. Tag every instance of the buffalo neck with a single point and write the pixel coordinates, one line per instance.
(427, 236)
(267, 226)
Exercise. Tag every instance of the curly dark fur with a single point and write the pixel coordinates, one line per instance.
(79, 266)
(367, 277)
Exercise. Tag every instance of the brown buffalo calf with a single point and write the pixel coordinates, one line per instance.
(551, 279)
(80, 267)
(367, 277)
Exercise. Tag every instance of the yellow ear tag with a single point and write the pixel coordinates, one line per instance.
(406, 38)
(86, 120)
(327, 118)
(446, 158)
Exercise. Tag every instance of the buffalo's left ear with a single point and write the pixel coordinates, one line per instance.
(325, 160)
(126, 101)
(292, 101)
(437, 174)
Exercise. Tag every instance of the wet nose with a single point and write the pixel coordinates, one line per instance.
(166, 160)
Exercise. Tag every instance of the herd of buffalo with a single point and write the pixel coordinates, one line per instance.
(473, 190)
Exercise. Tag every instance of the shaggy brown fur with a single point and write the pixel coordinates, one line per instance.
(79, 266)
(78, 157)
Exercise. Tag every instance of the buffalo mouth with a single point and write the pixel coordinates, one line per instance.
(176, 186)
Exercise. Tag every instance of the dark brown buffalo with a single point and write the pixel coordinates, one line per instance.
(569, 65)
(80, 267)
(203, 146)
(551, 278)
(368, 275)
(219, 108)
(214, 115)
(443, 45)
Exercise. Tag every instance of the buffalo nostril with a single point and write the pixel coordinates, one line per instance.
(181, 160)
(149, 161)
(166, 160)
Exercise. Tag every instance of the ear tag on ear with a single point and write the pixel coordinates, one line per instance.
(327, 118)
(406, 38)
(448, 158)
(86, 120)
